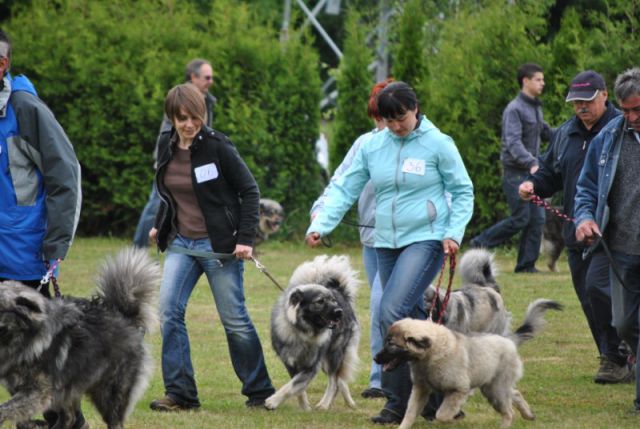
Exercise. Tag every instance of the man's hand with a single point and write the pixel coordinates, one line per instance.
(533, 169)
(153, 233)
(526, 190)
(588, 232)
(450, 246)
(243, 252)
(313, 239)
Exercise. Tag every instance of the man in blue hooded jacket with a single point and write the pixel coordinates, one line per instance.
(607, 206)
(40, 192)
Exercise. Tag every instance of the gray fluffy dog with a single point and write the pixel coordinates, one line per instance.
(477, 306)
(52, 351)
(313, 326)
(455, 364)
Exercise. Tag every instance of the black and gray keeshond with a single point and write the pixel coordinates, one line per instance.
(313, 326)
(52, 351)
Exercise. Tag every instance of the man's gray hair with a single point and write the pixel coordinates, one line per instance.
(194, 68)
(628, 84)
(5, 50)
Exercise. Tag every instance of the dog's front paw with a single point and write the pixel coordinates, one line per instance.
(272, 402)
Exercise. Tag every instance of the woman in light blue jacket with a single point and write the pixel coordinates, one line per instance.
(412, 166)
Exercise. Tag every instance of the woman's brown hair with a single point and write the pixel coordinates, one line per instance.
(188, 97)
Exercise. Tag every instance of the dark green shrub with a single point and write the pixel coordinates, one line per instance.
(104, 68)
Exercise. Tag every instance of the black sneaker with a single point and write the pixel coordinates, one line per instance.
(372, 392)
(530, 270)
(255, 402)
(386, 417)
(168, 404)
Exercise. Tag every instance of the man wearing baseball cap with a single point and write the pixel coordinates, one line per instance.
(559, 170)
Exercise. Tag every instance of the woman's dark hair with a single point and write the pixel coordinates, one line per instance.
(372, 106)
(395, 99)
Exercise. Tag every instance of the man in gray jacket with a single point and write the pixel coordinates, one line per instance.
(522, 128)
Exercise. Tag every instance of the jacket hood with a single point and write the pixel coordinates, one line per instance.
(22, 83)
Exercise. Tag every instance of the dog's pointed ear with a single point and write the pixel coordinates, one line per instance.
(30, 306)
(296, 297)
(422, 343)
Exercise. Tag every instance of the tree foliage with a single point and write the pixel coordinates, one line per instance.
(354, 86)
(104, 69)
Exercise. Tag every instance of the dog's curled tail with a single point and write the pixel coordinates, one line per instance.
(333, 272)
(478, 267)
(534, 320)
(128, 281)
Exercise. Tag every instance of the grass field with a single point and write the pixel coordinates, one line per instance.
(559, 363)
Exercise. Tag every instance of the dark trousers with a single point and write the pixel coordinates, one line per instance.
(525, 217)
(626, 304)
(591, 282)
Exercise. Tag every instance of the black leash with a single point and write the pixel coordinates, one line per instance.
(614, 266)
(326, 241)
(263, 270)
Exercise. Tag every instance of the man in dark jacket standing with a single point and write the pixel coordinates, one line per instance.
(559, 170)
(522, 128)
(40, 194)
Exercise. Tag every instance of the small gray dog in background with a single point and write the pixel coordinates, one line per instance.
(477, 306)
(313, 326)
(271, 218)
(53, 351)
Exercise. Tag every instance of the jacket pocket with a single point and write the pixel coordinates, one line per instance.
(432, 213)
(231, 220)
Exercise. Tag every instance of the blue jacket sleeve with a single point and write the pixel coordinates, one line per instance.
(586, 200)
(342, 168)
(458, 183)
(341, 195)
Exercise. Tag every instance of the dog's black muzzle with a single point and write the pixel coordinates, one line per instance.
(391, 356)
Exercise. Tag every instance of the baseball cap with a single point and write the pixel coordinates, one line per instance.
(585, 86)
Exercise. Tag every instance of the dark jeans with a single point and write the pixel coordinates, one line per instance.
(591, 282)
(626, 301)
(147, 219)
(525, 217)
(405, 274)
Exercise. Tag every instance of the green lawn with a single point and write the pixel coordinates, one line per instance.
(559, 363)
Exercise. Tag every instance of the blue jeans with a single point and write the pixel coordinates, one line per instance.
(525, 217)
(181, 273)
(626, 302)
(147, 219)
(370, 260)
(405, 274)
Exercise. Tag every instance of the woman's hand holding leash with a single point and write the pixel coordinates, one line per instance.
(313, 239)
(450, 246)
(243, 252)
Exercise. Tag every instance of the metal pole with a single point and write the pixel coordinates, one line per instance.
(284, 30)
(315, 11)
(382, 54)
(323, 33)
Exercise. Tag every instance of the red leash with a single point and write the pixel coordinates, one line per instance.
(447, 295)
(542, 203)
